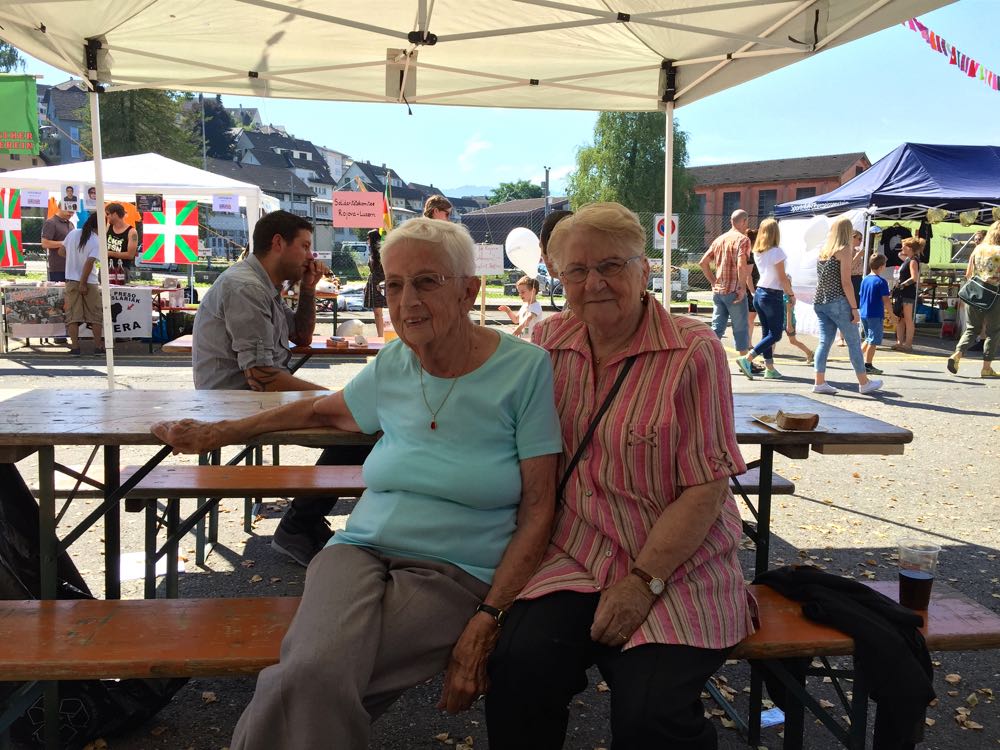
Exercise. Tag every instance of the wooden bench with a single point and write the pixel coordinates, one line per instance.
(749, 483)
(210, 483)
(75, 640)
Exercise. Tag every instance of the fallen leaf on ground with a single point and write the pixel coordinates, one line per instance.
(953, 679)
(257, 579)
(208, 697)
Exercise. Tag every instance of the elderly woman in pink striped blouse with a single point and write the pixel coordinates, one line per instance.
(641, 577)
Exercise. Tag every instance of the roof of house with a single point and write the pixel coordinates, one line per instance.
(66, 102)
(268, 179)
(775, 170)
(521, 205)
(470, 203)
(372, 173)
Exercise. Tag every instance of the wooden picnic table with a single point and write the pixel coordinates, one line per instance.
(320, 347)
(40, 420)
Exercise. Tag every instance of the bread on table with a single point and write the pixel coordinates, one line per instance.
(792, 421)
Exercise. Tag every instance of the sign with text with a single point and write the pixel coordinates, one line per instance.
(489, 260)
(357, 210)
(659, 231)
(18, 115)
(34, 198)
(226, 204)
(148, 202)
(34, 312)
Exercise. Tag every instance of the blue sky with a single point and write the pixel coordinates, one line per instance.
(870, 95)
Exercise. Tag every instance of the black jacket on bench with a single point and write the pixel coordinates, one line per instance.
(888, 647)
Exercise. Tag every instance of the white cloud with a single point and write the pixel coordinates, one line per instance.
(473, 146)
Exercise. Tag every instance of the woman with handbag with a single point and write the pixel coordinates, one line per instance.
(980, 294)
(641, 577)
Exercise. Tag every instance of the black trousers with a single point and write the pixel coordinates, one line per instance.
(541, 661)
(304, 513)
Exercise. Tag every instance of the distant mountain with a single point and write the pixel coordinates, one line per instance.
(466, 190)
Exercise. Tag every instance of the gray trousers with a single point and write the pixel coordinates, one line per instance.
(369, 627)
(976, 319)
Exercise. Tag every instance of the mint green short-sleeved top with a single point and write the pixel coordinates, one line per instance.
(450, 493)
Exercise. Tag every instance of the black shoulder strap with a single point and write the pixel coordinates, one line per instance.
(593, 426)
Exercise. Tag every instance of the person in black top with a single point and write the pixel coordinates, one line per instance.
(904, 296)
(123, 240)
(374, 299)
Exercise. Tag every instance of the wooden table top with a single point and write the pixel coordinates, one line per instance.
(50, 416)
(318, 348)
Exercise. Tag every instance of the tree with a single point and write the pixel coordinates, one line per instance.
(625, 164)
(220, 143)
(509, 191)
(10, 58)
(143, 121)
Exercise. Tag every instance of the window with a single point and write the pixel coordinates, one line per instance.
(74, 149)
(858, 170)
(805, 192)
(14, 157)
(730, 203)
(701, 203)
(765, 203)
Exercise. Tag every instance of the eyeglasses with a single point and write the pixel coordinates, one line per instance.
(606, 268)
(424, 283)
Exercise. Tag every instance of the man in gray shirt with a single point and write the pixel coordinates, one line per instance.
(241, 335)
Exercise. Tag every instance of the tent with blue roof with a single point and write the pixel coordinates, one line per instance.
(911, 179)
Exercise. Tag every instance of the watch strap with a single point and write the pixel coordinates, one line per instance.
(643, 575)
(494, 612)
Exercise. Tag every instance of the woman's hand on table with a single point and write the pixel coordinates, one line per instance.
(465, 680)
(622, 608)
(190, 435)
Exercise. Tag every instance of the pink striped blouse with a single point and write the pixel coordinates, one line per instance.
(670, 427)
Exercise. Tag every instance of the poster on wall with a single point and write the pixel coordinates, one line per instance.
(34, 198)
(226, 204)
(69, 198)
(37, 312)
(148, 202)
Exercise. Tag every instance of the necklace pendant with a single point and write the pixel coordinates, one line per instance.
(434, 424)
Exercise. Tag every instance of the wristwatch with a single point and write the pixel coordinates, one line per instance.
(497, 614)
(655, 585)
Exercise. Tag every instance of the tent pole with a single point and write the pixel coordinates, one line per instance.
(668, 201)
(102, 234)
(864, 244)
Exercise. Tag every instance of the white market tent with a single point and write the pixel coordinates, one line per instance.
(632, 55)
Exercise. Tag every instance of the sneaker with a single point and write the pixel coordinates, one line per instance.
(953, 361)
(870, 387)
(74, 352)
(744, 364)
(872, 370)
(301, 546)
(824, 388)
(772, 374)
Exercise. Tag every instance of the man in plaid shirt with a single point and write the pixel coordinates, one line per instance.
(730, 256)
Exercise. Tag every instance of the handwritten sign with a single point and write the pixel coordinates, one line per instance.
(489, 260)
(226, 204)
(357, 210)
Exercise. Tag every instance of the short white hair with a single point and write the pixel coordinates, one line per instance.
(452, 239)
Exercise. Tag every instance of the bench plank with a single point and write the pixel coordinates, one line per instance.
(750, 482)
(254, 481)
(88, 639)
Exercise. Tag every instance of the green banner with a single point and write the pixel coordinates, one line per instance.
(18, 115)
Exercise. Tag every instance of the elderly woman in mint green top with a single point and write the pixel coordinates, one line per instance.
(456, 515)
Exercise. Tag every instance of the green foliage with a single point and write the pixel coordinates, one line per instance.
(625, 164)
(220, 143)
(10, 58)
(145, 121)
(509, 191)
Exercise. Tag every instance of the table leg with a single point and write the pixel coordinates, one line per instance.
(47, 521)
(149, 584)
(173, 545)
(764, 510)
(51, 714)
(112, 524)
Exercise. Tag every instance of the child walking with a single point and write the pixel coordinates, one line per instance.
(790, 325)
(871, 306)
(531, 309)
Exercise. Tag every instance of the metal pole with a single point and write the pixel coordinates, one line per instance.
(204, 158)
(102, 233)
(668, 200)
(548, 195)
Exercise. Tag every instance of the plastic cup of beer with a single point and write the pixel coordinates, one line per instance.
(917, 566)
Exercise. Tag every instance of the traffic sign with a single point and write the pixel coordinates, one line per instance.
(659, 227)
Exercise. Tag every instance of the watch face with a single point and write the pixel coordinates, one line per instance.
(656, 586)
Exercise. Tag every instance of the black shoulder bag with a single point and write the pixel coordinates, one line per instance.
(593, 427)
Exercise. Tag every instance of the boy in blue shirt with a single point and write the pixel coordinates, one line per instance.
(871, 308)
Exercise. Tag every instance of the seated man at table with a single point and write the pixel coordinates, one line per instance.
(241, 335)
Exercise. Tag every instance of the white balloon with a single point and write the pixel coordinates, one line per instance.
(523, 250)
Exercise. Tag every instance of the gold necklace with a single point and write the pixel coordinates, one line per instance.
(434, 412)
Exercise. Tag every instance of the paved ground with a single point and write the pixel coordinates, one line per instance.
(846, 516)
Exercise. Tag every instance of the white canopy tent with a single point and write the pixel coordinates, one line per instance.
(639, 55)
(123, 177)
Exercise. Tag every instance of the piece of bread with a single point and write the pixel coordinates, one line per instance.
(790, 421)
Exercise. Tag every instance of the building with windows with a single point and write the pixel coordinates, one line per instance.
(758, 186)
(61, 121)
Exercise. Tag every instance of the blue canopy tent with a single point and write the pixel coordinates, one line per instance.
(911, 179)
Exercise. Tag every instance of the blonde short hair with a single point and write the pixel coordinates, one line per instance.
(621, 226)
(453, 240)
